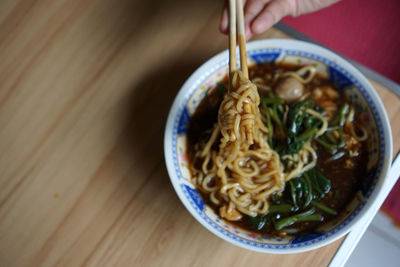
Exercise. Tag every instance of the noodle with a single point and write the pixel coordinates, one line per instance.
(258, 81)
(304, 160)
(324, 122)
(298, 74)
(349, 124)
(245, 170)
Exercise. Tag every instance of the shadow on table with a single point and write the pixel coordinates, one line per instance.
(149, 104)
(150, 98)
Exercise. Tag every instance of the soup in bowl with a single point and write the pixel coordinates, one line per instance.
(285, 161)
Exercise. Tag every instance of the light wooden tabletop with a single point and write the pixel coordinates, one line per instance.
(85, 89)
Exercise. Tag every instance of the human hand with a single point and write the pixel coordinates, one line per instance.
(260, 15)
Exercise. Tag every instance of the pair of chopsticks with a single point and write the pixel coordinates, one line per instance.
(236, 13)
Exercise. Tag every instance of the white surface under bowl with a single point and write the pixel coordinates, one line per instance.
(355, 86)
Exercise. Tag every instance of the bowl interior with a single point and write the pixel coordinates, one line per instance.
(350, 81)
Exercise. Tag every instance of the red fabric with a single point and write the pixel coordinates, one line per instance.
(366, 31)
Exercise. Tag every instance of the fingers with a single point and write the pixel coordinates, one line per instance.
(260, 15)
(270, 15)
(252, 10)
(223, 25)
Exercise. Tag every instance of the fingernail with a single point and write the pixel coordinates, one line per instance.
(224, 25)
(258, 27)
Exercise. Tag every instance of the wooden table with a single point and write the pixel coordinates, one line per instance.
(85, 89)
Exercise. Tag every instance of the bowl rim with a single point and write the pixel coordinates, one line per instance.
(296, 45)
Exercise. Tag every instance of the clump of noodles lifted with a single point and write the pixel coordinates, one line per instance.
(244, 171)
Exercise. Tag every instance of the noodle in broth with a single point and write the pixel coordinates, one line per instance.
(235, 167)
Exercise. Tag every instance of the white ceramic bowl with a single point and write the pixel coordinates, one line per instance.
(355, 86)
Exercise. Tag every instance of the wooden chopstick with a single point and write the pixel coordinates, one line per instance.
(242, 39)
(236, 20)
(232, 36)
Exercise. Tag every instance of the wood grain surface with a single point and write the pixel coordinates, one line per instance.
(85, 90)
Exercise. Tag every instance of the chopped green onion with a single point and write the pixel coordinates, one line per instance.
(330, 137)
(285, 222)
(340, 118)
(258, 222)
(323, 182)
(316, 217)
(314, 182)
(275, 115)
(328, 147)
(323, 207)
(309, 195)
(307, 134)
(272, 100)
(284, 208)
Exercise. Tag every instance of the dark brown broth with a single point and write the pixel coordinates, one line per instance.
(345, 181)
